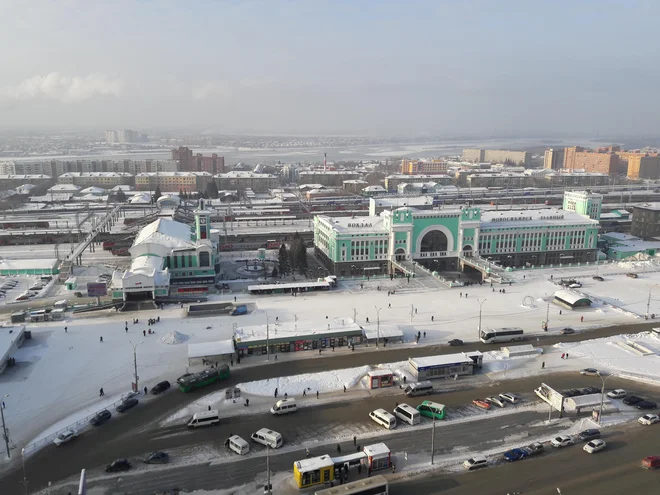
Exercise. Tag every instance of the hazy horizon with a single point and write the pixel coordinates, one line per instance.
(423, 68)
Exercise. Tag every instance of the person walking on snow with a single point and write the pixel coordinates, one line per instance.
(101, 392)
(543, 365)
(101, 339)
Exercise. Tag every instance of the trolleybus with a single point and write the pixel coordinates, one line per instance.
(502, 335)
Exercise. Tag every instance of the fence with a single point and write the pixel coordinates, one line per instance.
(78, 426)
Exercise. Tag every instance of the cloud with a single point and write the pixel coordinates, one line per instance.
(64, 88)
(211, 90)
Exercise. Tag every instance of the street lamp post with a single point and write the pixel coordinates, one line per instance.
(137, 388)
(648, 302)
(377, 325)
(4, 427)
(25, 485)
(267, 339)
(602, 396)
(480, 304)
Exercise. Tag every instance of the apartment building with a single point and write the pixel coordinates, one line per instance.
(646, 221)
(8, 181)
(499, 180)
(104, 180)
(644, 166)
(235, 180)
(604, 160)
(173, 181)
(553, 159)
(328, 178)
(421, 167)
(497, 156)
(189, 162)
(392, 181)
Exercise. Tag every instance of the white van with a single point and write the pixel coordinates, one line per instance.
(420, 388)
(284, 406)
(206, 418)
(237, 444)
(383, 418)
(268, 438)
(407, 414)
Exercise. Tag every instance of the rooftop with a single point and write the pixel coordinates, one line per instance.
(287, 330)
(526, 218)
(648, 206)
(355, 225)
(443, 360)
(204, 349)
(167, 233)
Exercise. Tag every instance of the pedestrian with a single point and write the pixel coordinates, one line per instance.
(461, 294)
(101, 339)
(344, 388)
(338, 449)
(466, 295)
(209, 408)
(231, 361)
(493, 288)
(276, 392)
(367, 319)
(523, 277)
(333, 348)
(101, 393)
(354, 440)
(393, 468)
(560, 311)
(432, 317)
(65, 330)
(415, 310)
(319, 352)
(550, 277)
(567, 355)
(562, 355)
(581, 319)
(234, 298)
(158, 319)
(424, 334)
(126, 329)
(247, 402)
(307, 453)
(304, 393)
(144, 332)
(543, 365)
(317, 394)
(145, 390)
(389, 305)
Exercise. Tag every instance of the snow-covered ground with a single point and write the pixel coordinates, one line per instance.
(59, 374)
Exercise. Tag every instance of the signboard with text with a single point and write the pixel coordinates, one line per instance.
(97, 289)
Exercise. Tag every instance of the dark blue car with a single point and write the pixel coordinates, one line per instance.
(515, 455)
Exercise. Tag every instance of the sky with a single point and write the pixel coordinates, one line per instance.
(442, 68)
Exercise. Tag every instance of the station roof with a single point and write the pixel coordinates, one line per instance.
(167, 233)
(442, 360)
(205, 349)
(570, 297)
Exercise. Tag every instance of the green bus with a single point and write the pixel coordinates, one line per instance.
(192, 381)
(431, 409)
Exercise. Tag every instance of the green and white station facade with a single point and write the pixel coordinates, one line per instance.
(440, 238)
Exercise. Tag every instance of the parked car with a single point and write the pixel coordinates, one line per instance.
(590, 434)
(476, 462)
(646, 404)
(651, 462)
(481, 403)
(589, 371)
(562, 441)
(649, 419)
(632, 275)
(631, 400)
(118, 465)
(509, 397)
(455, 342)
(495, 400)
(567, 331)
(127, 404)
(594, 446)
(65, 437)
(515, 455)
(160, 387)
(100, 417)
(599, 278)
(589, 390)
(576, 285)
(534, 448)
(157, 457)
(618, 393)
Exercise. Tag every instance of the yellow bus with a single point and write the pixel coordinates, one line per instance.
(314, 471)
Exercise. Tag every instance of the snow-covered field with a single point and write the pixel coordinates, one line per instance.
(59, 374)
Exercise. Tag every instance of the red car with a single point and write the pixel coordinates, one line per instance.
(651, 462)
(481, 403)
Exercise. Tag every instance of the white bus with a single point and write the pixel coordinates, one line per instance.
(496, 335)
(376, 485)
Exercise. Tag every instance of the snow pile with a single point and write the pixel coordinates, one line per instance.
(327, 381)
(174, 337)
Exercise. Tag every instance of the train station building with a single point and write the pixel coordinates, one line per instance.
(441, 239)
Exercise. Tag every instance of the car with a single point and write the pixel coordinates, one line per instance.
(515, 455)
(589, 390)
(534, 448)
(618, 393)
(594, 446)
(576, 285)
(476, 462)
(631, 400)
(632, 275)
(481, 403)
(599, 278)
(646, 404)
(590, 434)
(127, 404)
(157, 457)
(118, 465)
(495, 400)
(65, 437)
(589, 371)
(160, 387)
(651, 462)
(100, 417)
(562, 441)
(509, 397)
(567, 331)
(649, 419)
(455, 342)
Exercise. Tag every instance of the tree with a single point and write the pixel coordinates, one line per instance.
(298, 254)
(121, 196)
(274, 273)
(212, 190)
(283, 257)
(157, 194)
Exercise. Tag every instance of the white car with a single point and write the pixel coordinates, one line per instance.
(476, 462)
(65, 437)
(509, 397)
(649, 419)
(562, 441)
(495, 400)
(619, 393)
(594, 446)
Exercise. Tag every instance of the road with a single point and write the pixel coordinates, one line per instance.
(614, 471)
(321, 424)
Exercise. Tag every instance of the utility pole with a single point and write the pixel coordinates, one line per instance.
(4, 427)
(267, 340)
(433, 442)
(137, 388)
(547, 316)
(377, 325)
(25, 484)
(480, 304)
(267, 488)
(412, 311)
(355, 315)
